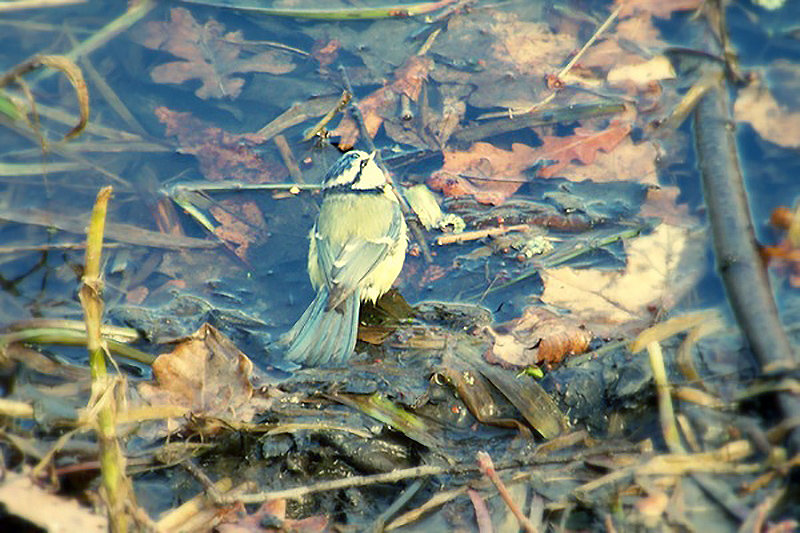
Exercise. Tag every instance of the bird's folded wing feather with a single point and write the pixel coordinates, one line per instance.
(344, 266)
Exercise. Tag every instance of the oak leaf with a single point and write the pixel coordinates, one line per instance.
(583, 146)
(207, 53)
(383, 102)
(488, 173)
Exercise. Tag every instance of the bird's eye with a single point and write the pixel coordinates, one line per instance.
(364, 163)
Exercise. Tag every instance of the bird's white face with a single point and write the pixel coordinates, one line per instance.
(356, 170)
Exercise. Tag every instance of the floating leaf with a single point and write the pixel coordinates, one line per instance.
(208, 54)
(582, 146)
(660, 268)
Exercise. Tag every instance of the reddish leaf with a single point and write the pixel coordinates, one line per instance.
(490, 174)
(241, 224)
(581, 146)
(222, 155)
(208, 54)
(383, 102)
(539, 336)
(271, 516)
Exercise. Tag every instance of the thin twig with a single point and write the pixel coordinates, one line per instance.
(487, 468)
(413, 224)
(464, 236)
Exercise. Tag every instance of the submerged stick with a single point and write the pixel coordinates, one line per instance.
(738, 261)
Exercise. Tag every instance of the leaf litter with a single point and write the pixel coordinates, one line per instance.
(603, 247)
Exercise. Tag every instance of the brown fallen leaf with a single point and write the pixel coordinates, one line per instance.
(582, 146)
(488, 173)
(506, 57)
(222, 155)
(626, 162)
(205, 373)
(241, 224)
(660, 268)
(538, 336)
(208, 54)
(24, 501)
(773, 121)
(383, 102)
(271, 516)
(657, 8)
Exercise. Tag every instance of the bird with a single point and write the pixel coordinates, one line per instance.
(356, 250)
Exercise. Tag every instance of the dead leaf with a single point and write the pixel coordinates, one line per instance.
(774, 122)
(626, 162)
(654, 69)
(326, 51)
(32, 505)
(241, 224)
(657, 8)
(208, 54)
(503, 58)
(222, 155)
(538, 336)
(205, 373)
(271, 516)
(488, 173)
(582, 146)
(611, 51)
(660, 268)
(383, 102)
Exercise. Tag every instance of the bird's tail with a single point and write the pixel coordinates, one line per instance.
(324, 337)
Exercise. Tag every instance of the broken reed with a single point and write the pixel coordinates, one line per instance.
(103, 398)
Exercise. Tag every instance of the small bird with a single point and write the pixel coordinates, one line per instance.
(357, 248)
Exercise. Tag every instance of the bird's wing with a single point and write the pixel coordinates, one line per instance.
(345, 265)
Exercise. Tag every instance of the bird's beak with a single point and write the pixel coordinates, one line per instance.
(372, 155)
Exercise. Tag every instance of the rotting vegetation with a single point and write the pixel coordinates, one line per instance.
(560, 379)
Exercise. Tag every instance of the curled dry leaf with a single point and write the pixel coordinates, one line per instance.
(205, 373)
(538, 336)
(208, 54)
